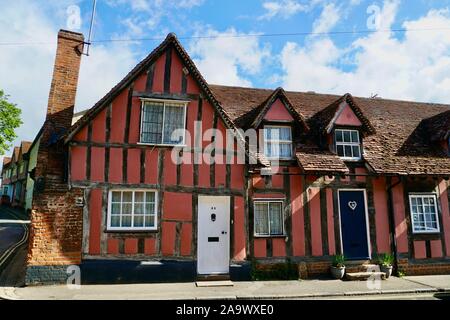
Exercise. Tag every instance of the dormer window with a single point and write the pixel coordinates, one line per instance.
(348, 144)
(163, 122)
(278, 142)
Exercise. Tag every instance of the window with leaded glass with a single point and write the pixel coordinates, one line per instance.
(268, 216)
(277, 142)
(424, 214)
(348, 144)
(132, 210)
(163, 122)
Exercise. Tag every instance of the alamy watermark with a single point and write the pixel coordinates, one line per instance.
(74, 277)
(73, 21)
(374, 19)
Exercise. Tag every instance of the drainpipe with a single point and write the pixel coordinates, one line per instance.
(392, 221)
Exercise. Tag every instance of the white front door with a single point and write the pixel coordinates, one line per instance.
(213, 239)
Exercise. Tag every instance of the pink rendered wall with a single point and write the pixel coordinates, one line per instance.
(298, 224)
(443, 197)
(401, 229)
(239, 229)
(420, 251)
(330, 222)
(348, 118)
(381, 215)
(278, 112)
(316, 231)
(176, 207)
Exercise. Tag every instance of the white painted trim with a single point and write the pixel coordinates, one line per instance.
(367, 218)
(351, 144)
(165, 100)
(421, 195)
(268, 201)
(228, 234)
(108, 224)
(291, 142)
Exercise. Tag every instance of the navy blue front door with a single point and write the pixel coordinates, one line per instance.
(353, 224)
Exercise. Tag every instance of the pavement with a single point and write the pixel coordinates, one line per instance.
(412, 287)
(13, 246)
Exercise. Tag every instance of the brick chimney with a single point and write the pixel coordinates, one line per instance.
(63, 89)
(56, 219)
(61, 102)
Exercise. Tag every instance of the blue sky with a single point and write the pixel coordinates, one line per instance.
(414, 65)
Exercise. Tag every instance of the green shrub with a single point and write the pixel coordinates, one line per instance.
(339, 261)
(386, 259)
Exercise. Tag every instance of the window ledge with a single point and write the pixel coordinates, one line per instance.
(162, 145)
(131, 231)
(270, 236)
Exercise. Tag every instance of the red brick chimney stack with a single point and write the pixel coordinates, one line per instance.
(63, 89)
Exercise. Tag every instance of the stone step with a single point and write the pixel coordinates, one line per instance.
(367, 267)
(362, 276)
(213, 277)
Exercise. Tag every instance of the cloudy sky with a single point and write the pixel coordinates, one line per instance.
(325, 46)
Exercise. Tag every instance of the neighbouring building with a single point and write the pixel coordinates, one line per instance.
(6, 177)
(325, 175)
(14, 174)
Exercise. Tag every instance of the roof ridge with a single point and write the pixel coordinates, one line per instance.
(435, 104)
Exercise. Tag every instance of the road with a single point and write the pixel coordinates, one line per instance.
(13, 246)
(408, 296)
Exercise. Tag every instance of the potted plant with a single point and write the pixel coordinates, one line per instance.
(338, 266)
(386, 261)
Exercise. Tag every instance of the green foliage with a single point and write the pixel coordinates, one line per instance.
(9, 122)
(281, 271)
(339, 261)
(401, 274)
(386, 259)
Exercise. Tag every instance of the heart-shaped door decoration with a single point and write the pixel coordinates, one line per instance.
(352, 205)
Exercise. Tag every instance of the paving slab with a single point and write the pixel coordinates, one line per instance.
(441, 282)
(240, 290)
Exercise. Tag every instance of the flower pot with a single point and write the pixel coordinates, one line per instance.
(337, 272)
(387, 270)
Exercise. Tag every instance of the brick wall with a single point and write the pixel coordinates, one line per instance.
(56, 221)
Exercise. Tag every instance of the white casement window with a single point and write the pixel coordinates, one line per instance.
(348, 144)
(132, 210)
(278, 142)
(163, 122)
(268, 218)
(424, 213)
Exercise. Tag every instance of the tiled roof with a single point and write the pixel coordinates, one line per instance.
(399, 146)
(6, 160)
(321, 161)
(25, 146)
(394, 143)
(438, 126)
(323, 121)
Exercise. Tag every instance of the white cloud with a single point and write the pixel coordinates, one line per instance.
(327, 20)
(284, 9)
(413, 67)
(227, 58)
(26, 71)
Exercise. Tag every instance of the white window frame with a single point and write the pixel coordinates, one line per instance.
(183, 104)
(269, 235)
(436, 208)
(144, 228)
(291, 142)
(351, 144)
